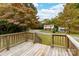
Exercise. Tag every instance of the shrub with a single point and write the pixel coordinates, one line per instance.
(6, 27)
(55, 29)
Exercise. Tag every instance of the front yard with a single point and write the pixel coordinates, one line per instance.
(47, 40)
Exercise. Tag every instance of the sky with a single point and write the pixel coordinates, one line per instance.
(48, 10)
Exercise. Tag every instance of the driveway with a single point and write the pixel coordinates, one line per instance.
(39, 32)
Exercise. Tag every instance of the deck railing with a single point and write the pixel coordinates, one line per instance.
(59, 40)
(62, 40)
(73, 46)
(9, 40)
(66, 41)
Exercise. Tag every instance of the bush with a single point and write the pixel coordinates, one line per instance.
(3, 27)
(55, 29)
(6, 27)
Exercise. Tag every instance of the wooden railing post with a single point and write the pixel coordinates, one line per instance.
(67, 42)
(25, 35)
(32, 37)
(7, 43)
(52, 42)
(37, 39)
(78, 53)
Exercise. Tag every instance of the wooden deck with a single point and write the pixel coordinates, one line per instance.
(30, 49)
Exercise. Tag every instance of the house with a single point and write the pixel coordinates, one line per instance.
(62, 29)
(48, 27)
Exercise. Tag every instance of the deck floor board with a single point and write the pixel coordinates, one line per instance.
(30, 49)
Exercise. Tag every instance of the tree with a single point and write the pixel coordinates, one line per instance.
(47, 21)
(69, 17)
(20, 13)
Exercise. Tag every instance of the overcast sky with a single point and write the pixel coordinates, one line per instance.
(48, 10)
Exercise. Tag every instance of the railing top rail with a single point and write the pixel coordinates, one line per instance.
(75, 42)
(59, 34)
(12, 34)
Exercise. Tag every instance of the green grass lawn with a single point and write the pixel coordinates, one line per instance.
(75, 35)
(47, 40)
(47, 31)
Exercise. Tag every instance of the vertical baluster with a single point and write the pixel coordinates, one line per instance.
(65, 41)
(10, 39)
(25, 39)
(18, 37)
(22, 35)
(13, 40)
(4, 42)
(32, 36)
(60, 40)
(21, 39)
(55, 40)
(0, 42)
(28, 36)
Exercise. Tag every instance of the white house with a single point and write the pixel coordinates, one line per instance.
(48, 27)
(62, 29)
